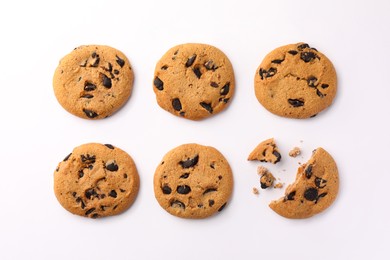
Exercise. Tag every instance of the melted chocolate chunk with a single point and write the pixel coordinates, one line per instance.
(277, 61)
(90, 113)
(189, 162)
(116, 72)
(211, 203)
(88, 86)
(311, 194)
(183, 189)
(225, 89)
(110, 146)
(120, 61)
(207, 106)
(89, 211)
(197, 72)
(158, 83)
(209, 190)
(185, 175)
(296, 102)
(210, 65)
(106, 81)
(319, 182)
(324, 86)
(112, 193)
(222, 207)
(278, 156)
(261, 73)
(86, 96)
(291, 195)
(97, 60)
(95, 216)
(312, 81)
(90, 193)
(67, 157)
(321, 196)
(308, 56)
(308, 171)
(88, 159)
(81, 174)
(214, 84)
(112, 166)
(319, 93)
(176, 104)
(165, 67)
(292, 52)
(178, 204)
(303, 46)
(166, 189)
(271, 72)
(190, 60)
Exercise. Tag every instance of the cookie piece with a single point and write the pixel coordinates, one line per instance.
(93, 81)
(193, 181)
(96, 180)
(295, 152)
(314, 190)
(266, 151)
(193, 81)
(295, 81)
(266, 177)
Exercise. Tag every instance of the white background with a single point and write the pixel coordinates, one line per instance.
(36, 133)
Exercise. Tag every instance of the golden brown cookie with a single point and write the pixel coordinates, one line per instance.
(193, 181)
(314, 190)
(194, 81)
(93, 81)
(295, 81)
(96, 180)
(266, 151)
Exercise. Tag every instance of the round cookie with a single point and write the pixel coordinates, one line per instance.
(193, 181)
(194, 81)
(93, 81)
(96, 180)
(295, 81)
(314, 190)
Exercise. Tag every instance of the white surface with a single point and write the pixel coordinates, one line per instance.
(36, 133)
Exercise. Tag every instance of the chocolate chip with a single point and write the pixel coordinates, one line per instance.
(90, 193)
(67, 157)
(271, 72)
(183, 189)
(207, 106)
(81, 174)
(95, 216)
(166, 189)
(89, 211)
(224, 100)
(313, 116)
(190, 60)
(291, 195)
(261, 73)
(312, 81)
(109, 67)
(324, 86)
(165, 67)
(114, 208)
(158, 83)
(214, 84)
(277, 61)
(79, 200)
(112, 193)
(209, 190)
(83, 64)
(182, 113)
(110, 146)
(225, 89)
(189, 162)
(292, 52)
(120, 61)
(308, 56)
(96, 62)
(87, 96)
(116, 72)
(178, 204)
(303, 46)
(90, 113)
(308, 171)
(185, 175)
(88, 86)
(176, 104)
(74, 194)
(311, 194)
(106, 81)
(197, 72)
(125, 175)
(112, 166)
(319, 182)
(212, 166)
(88, 159)
(278, 156)
(94, 55)
(210, 65)
(222, 207)
(321, 196)
(296, 102)
(122, 190)
(211, 203)
(319, 93)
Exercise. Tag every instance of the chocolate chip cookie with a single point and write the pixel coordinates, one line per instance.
(96, 180)
(314, 190)
(93, 81)
(194, 81)
(295, 81)
(266, 151)
(193, 181)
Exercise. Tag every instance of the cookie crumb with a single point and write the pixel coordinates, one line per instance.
(255, 191)
(278, 185)
(295, 152)
(261, 170)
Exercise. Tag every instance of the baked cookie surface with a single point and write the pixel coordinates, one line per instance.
(96, 180)
(295, 81)
(93, 81)
(314, 190)
(194, 81)
(193, 181)
(266, 151)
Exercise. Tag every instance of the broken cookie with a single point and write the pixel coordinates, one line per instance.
(266, 151)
